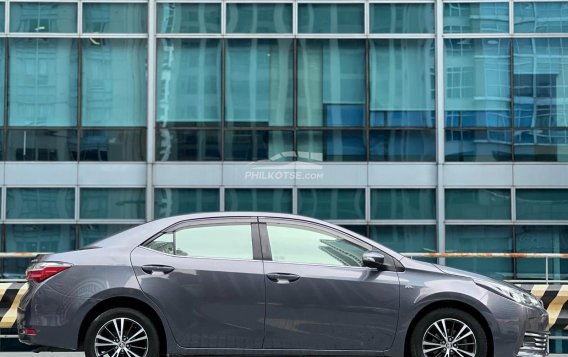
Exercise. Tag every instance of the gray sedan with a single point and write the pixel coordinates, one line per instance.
(268, 284)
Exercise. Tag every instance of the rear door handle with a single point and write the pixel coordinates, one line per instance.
(150, 269)
(282, 278)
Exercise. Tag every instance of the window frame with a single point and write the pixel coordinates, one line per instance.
(267, 252)
(196, 223)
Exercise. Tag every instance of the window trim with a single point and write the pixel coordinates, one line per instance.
(267, 252)
(255, 237)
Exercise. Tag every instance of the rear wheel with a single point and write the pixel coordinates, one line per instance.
(448, 333)
(122, 332)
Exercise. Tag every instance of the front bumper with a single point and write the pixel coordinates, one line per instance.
(535, 344)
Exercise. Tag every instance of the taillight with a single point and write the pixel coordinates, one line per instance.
(45, 270)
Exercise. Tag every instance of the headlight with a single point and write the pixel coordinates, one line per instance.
(512, 293)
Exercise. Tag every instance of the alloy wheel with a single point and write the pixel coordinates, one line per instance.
(449, 338)
(121, 337)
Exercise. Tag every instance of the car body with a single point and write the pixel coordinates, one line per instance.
(249, 283)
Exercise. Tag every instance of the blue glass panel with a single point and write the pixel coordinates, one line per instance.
(403, 145)
(189, 82)
(332, 145)
(40, 203)
(42, 89)
(189, 18)
(43, 17)
(487, 17)
(331, 82)
(247, 145)
(541, 145)
(541, 82)
(402, 18)
(541, 239)
(542, 204)
(332, 203)
(91, 233)
(114, 83)
(259, 200)
(477, 80)
(2, 17)
(115, 18)
(259, 86)
(112, 203)
(407, 239)
(175, 201)
(41, 145)
(113, 145)
(330, 18)
(402, 83)
(259, 18)
(541, 17)
(478, 204)
(481, 239)
(403, 204)
(478, 145)
(188, 145)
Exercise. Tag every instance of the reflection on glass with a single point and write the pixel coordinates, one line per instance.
(541, 17)
(403, 145)
(43, 17)
(332, 145)
(2, 17)
(260, 200)
(478, 145)
(113, 145)
(115, 18)
(331, 18)
(43, 82)
(478, 204)
(91, 233)
(478, 83)
(221, 241)
(407, 239)
(481, 239)
(40, 203)
(259, 18)
(487, 17)
(188, 145)
(402, 83)
(175, 201)
(541, 239)
(542, 204)
(258, 88)
(189, 82)
(247, 145)
(541, 145)
(403, 204)
(114, 82)
(402, 18)
(541, 82)
(189, 18)
(41, 145)
(35, 238)
(112, 203)
(331, 82)
(332, 203)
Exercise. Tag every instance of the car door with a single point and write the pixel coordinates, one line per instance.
(207, 278)
(318, 295)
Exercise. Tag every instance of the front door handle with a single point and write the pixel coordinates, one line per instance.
(282, 278)
(156, 268)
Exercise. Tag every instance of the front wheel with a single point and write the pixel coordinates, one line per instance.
(122, 332)
(448, 333)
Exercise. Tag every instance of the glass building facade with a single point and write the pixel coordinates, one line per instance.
(429, 126)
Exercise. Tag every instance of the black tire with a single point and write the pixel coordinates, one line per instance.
(476, 342)
(134, 321)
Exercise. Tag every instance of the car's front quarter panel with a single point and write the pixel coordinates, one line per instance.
(422, 289)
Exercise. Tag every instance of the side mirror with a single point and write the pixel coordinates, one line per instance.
(373, 259)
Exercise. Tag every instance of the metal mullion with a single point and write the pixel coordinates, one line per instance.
(80, 18)
(405, 2)
(440, 130)
(222, 198)
(7, 16)
(402, 222)
(151, 109)
(221, 127)
(295, 102)
(483, 36)
(479, 222)
(106, 1)
(405, 36)
(6, 108)
(259, 36)
(367, 105)
(79, 124)
(187, 35)
(114, 35)
(331, 36)
(41, 35)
